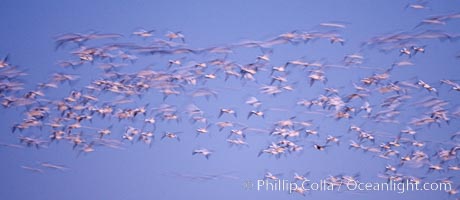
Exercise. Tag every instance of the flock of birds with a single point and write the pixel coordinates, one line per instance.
(120, 96)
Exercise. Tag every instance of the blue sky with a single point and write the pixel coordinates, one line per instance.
(140, 172)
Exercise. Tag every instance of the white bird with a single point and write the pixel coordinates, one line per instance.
(205, 152)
